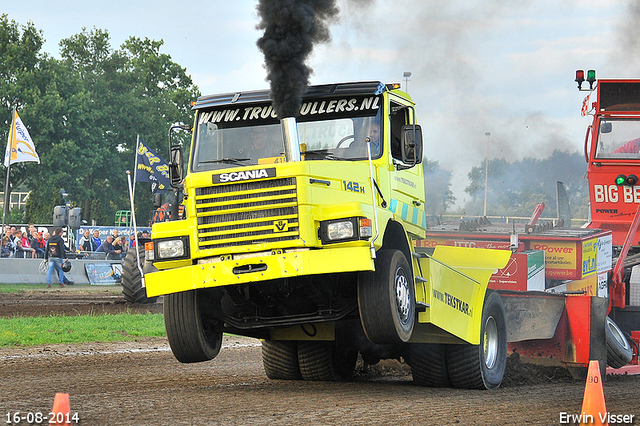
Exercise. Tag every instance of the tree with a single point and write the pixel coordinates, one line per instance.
(20, 84)
(96, 102)
(515, 188)
(437, 184)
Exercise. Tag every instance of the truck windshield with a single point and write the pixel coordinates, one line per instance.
(618, 138)
(333, 129)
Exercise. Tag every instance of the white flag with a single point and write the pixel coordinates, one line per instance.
(20, 147)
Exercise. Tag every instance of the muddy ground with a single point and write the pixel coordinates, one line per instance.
(140, 383)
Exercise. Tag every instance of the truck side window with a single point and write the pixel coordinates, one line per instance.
(397, 121)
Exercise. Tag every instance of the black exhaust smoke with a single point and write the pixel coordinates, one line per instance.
(291, 28)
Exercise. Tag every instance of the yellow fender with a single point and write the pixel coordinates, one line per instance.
(456, 280)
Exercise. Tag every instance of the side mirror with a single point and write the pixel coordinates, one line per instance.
(411, 144)
(176, 166)
(605, 127)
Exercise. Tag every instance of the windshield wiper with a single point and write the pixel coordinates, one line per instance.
(239, 161)
(323, 154)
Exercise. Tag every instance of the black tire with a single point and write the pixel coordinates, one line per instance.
(482, 366)
(619, 351)
(132, 279)
(428, 363)
(280, 360)
(191, 335)
(386, 299)
(326, 361)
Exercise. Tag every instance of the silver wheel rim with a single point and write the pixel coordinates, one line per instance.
(403, 296)
(615, 332)
(490, 342)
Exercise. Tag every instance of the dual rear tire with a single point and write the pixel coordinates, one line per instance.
(465, 366)
(308, 360)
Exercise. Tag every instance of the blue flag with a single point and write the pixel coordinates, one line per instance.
(152, 168)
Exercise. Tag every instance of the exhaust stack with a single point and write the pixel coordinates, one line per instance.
(290, 138)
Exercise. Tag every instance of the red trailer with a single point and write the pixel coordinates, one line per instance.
(555, 291)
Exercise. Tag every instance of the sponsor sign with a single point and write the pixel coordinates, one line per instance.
(560, 258)
(595, 285)
(524, 272)
(264, 113)
(495, 245)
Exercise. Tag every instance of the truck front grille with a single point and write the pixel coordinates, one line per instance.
(247, 213)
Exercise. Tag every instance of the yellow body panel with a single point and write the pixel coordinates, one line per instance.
(216, 274)
(457, 280)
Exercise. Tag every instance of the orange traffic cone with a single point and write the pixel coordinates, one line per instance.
(61, 410)
(594, 411)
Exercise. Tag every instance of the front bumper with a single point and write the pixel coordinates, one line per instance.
(261, 268)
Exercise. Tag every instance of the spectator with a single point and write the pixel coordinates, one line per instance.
(12, 236)
(107, 248)
(5, 251)
(96, 238)
(87, 243)
(20, 252)
(132, 240)
(120, 244)
(115, 235)
(35, 244)
(54, 254)
(26, 245)
(7, 231)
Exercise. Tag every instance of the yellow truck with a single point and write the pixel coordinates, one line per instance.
(300, 232)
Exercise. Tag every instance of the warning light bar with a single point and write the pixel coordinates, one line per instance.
(626, 180)
(591, 78)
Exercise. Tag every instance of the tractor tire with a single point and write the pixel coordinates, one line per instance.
(326, 361)
(482, 366)
(132, 288)
(428, 363)
(619, 351)
(280, 360)
(191, 335)
(386, 299)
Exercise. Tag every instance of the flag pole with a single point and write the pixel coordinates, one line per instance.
(5, 207)
(135, 166)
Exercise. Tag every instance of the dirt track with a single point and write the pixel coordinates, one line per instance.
(140, 383)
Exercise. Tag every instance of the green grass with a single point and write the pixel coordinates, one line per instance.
(34, 331)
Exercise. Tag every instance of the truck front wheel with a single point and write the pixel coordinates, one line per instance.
(386, 299)
(192, 335)
(482, 366)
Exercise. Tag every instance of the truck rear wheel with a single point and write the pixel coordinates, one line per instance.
(482, 366)
(428, 363)
(386, 299)
(619, 351)
(326, 361)
(280, 360)
(191, 335)
(132, 279)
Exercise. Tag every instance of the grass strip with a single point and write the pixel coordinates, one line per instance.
(46, 330)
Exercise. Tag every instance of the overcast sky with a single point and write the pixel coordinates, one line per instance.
(477, 66)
